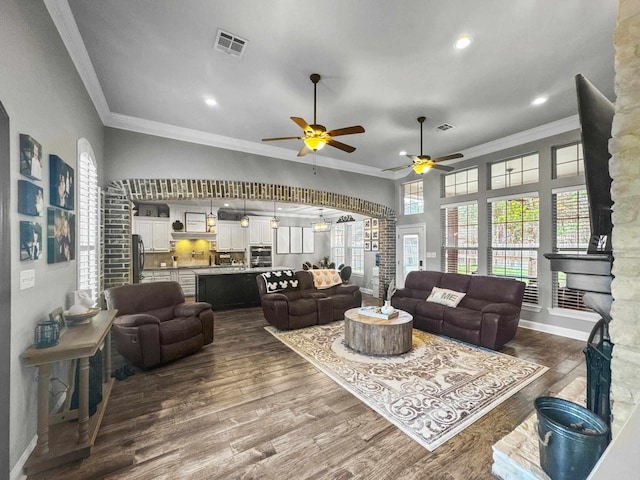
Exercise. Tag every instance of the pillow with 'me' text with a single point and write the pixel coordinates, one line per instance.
(444, 296)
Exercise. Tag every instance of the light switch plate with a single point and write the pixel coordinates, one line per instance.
(27, 279)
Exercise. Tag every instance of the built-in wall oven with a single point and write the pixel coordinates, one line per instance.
(260, 256)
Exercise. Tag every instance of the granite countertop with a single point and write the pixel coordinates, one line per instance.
(192, 267)
(236, 269)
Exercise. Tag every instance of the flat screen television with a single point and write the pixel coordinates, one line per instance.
(596, 117)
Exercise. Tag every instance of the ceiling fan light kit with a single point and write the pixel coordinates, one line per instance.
(423, 163)
(315, 135)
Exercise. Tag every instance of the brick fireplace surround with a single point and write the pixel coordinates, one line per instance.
(624, 168)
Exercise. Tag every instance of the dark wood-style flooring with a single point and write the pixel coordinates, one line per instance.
(247, 407)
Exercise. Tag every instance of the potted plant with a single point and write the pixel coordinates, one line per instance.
(387, 309)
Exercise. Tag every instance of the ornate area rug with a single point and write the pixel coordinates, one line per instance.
(431, 393)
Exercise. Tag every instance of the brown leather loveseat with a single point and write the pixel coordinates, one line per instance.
(487, 315)
(297, 303)
(154, 325)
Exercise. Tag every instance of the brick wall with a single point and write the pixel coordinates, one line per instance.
(625, 191)
(117, 214)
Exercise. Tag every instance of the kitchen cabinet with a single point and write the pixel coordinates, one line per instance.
(187, 280)
(150, 276)
(260, 232)
(154, 233)
(230, 237)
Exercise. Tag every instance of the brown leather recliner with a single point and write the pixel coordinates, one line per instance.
(154, 325)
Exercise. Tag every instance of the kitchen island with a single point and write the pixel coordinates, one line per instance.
(231, 287)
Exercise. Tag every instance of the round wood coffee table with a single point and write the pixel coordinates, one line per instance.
(377, 336)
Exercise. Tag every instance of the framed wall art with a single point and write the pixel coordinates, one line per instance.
(295, 239)
(61, 183)
(282, 240)
(367, 223)
(61, 235)
(375, 246)
(308, 240)
(374, 223)
(30, 240)
(30, 199)
(30, 157)
(195, 222)
(367, 246)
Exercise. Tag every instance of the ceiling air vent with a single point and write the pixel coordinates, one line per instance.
(229, 43)
(444, 127)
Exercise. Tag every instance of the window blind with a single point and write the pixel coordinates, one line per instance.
(88, 225)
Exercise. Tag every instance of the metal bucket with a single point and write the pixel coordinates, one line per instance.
(571, 438)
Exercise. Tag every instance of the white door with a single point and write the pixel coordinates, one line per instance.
(411, 247)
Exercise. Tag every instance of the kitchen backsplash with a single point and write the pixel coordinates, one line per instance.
(189, 253)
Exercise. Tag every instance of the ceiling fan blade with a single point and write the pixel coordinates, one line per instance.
(304, 150)
(395, 169)
(447, 157)
(341, 146)
(444, 168)
(302, 124)
(419, 158)
(281, 138)
(346, 131)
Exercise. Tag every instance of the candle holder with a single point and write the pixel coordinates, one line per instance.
(46, 334)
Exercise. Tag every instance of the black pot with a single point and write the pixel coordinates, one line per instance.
(177, 226)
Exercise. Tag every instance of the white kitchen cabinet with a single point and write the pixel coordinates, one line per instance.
(260, 232)
(230, 237)
(150, 276)
(154, 233)
(187, 280)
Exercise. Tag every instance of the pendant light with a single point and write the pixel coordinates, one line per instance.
(321, 225)
(211, 219)
(244, 221)
(274, 223)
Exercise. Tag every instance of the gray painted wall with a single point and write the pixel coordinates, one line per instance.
(44, 98)
(136, 155)
(433, 201)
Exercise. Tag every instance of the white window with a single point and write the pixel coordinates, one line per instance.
(461, 183)
(347, 246)
(571, 233)
(338, 244)
(514, 233)
(413, 197)
(568, 161)
(516, 171)
(459, 227)
(88, 220)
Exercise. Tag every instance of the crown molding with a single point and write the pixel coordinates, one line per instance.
(64, 21)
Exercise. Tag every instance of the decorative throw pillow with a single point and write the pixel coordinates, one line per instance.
(444, 296)
(325, 278)
(278, 280)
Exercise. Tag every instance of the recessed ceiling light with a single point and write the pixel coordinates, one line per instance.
(211, 101)
(226, 204)
(539, 101)
(463, 42)
(402, 153)
(279, 208)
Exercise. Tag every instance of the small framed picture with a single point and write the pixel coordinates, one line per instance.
(367, 234)
(61, 235)
(195, 222)
(367, 246)
(61, 183)
(374, 223)
(30, 199)
(30, 157)
(367, 223)
(374, 246)
(57, 317)
(30, 240)
(374, 234)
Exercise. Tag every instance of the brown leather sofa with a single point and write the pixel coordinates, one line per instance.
(306, 305)
(488, 315)
(154, 325)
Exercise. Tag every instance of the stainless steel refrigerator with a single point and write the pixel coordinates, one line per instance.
(137, 257)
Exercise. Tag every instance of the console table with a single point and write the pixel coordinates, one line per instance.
(59, 441)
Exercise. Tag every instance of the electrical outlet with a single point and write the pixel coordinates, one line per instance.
(27, 279)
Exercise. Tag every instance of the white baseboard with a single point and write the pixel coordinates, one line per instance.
(561, 331)
(368, 291)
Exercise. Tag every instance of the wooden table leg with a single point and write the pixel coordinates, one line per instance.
(44, 381)
(83, 401)
(107, 358)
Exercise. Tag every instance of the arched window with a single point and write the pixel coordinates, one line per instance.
(88, 220)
